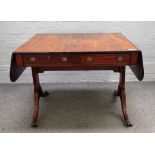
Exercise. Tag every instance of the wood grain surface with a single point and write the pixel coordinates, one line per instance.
(78, 43)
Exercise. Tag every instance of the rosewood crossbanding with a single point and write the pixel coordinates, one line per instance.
(103, 51)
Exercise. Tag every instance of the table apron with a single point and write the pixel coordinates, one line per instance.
(76, 60)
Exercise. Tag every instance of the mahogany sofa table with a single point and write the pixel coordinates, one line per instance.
(102, 51)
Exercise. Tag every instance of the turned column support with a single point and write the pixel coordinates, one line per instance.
(38, 92)
(121, 93)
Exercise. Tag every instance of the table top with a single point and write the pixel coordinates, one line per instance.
(96, 42)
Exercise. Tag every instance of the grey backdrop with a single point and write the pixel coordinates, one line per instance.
(13, 34)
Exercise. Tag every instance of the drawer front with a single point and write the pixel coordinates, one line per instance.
(105, 59)
(49, 59)
(76, 59)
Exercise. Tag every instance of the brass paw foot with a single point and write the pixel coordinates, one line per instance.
(34, 123)
(128, 123)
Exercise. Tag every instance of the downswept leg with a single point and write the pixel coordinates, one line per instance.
(121, 92)
(38, 92)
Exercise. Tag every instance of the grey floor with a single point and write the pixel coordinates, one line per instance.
(83, 107)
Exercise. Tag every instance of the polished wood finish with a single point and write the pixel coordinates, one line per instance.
(122, 94)
(38, 60)
(48, 52)
(77, 43)
(38, 92)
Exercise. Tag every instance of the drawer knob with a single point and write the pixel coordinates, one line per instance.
(64, 59)
(32, 59)
(120, 59)
(48, 57)
(89, 59)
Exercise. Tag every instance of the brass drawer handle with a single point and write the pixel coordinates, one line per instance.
(48, 57)
(32, 59)
(120, 59)
(89, 59)
(64, 59)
